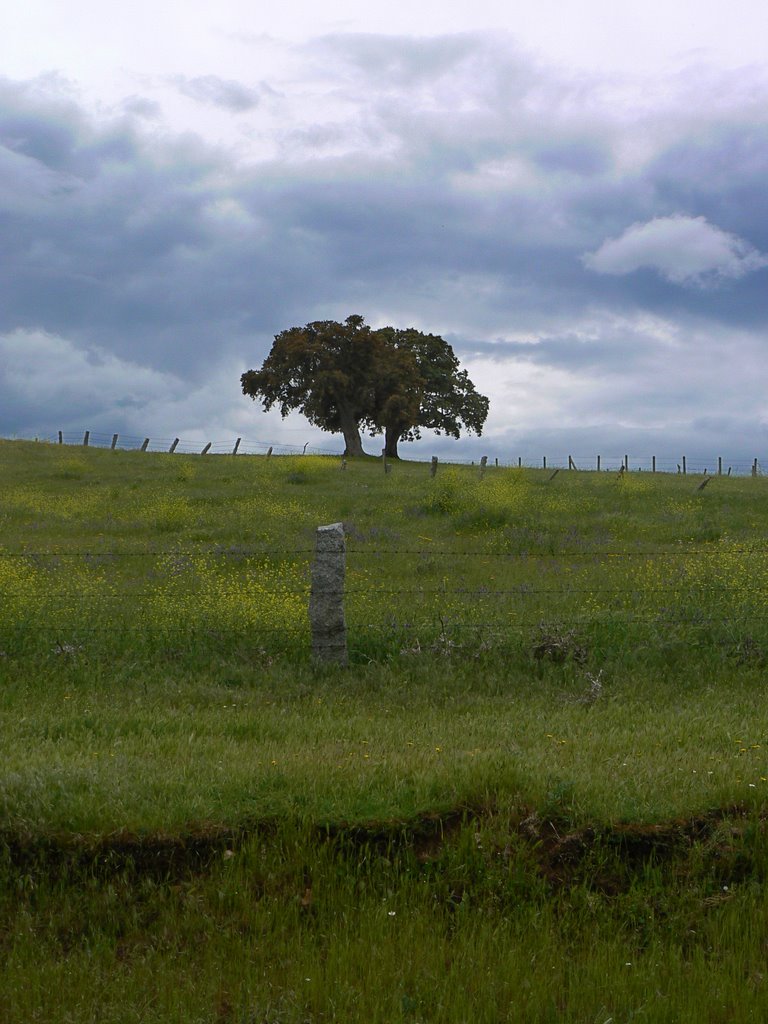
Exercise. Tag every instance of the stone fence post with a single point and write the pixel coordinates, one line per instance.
(326, 600)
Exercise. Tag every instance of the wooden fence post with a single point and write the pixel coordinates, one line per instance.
(86, 438)
(483, 464)
(114, 441)
(207, 448)
(237, 445)
(326, 600)
(172, 449)
(433, 467)
(598, 463)
(145, 444)
(754, 468)
(684, 467)
(269, 452)
(61, 438)
(653, 464)
(719, 465)
(544, 463)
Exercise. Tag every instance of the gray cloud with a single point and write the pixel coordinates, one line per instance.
(448, 183)
(397, 63)
(140, 106)
(40, 121)
(221, 92)
(46, 377)
(580, 156)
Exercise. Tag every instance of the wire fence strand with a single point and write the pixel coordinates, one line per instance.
(86, 593)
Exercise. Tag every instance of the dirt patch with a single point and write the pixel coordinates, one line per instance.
(609, 857)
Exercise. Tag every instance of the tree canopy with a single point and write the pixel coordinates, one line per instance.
(344, 377)
(325, 371)
(421, 385)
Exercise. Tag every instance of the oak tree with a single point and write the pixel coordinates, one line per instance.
(422, 386)
(325, 371)
(346, 376)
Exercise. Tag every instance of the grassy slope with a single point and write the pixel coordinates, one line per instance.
(173, 694)
(166, 692)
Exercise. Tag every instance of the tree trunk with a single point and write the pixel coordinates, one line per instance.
(351, 431)
(391, 437)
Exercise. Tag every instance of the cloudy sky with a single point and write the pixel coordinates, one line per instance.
(572, 194)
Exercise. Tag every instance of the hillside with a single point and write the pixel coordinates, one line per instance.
(555, 700)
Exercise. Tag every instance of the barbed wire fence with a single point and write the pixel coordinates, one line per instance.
(74, 597)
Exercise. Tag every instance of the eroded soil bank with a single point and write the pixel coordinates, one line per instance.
(729, 843)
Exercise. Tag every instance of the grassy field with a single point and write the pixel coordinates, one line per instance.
(537, 793)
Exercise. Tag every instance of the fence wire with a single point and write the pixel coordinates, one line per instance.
(255, 551)
(63, 606)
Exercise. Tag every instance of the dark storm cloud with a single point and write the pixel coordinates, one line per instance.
(37, 121)
(451, 184)
(722, 177)
(520, 179)
(606, 354)
(122, 242)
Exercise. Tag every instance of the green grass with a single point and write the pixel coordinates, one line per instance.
(101, 752)
(537, 793)
(286, 928)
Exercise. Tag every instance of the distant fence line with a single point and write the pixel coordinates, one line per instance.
(703, 465)
(715, 465)
(134, 442)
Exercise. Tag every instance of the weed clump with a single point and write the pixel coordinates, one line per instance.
(558, 645)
